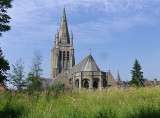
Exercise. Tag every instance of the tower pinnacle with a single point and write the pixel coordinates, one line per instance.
(71, 39)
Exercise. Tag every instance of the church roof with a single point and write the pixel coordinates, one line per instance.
(87, 64)
(46, 82)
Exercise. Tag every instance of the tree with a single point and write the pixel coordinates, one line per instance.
(36, 64)
(4, 66)
(137, 75)
(17, 76)
(34, 77)
(4, 18)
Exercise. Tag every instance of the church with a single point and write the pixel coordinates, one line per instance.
(85, 74)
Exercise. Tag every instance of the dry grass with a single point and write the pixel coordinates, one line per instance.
(111, 103)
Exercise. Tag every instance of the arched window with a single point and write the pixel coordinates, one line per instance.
(64, 55)
(67, 55)
(60, 70)
(85, 83)
(60, 55)
(95, 83)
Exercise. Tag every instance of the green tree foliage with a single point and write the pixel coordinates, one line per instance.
(4, 21)
(34, 77)
(36, 64)
(4, 66)
(17, 75)
(34, 83)
(4, 18)
(137, 75)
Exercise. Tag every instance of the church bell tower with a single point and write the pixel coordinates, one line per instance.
(62, 55)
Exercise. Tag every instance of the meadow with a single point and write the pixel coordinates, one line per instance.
(110, 103)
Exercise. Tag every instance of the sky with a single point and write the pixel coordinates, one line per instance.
(117, 31)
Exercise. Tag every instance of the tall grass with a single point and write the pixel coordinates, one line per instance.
(110, 103)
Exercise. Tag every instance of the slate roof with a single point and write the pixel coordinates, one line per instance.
(87, 64)
(46, 82)
(111, 80)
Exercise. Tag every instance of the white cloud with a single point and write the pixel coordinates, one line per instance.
(40, 18)
(34, 22)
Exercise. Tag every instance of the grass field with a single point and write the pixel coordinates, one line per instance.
(111, 103)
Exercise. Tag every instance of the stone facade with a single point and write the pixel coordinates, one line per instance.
(89, 80)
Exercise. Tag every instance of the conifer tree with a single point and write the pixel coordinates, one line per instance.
(4, 66)
(4, 17)
(137, 75)
(17, 75)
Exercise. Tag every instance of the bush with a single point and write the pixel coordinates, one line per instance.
(57, 87)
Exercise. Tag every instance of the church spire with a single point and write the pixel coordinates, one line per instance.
(64, 19)
(118, 77)
(63, 30)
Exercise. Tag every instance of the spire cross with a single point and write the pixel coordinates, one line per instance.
(90, 50)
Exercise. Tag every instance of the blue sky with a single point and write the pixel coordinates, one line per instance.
(117, 31)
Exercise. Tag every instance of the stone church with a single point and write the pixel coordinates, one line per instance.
(85, 74)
